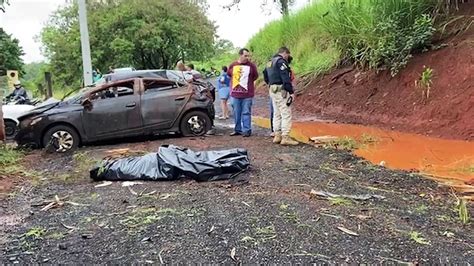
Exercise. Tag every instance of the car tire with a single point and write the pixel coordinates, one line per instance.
(195, 123)
(61, 139)
(11, 129)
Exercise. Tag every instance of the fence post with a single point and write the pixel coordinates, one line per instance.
(49, 84)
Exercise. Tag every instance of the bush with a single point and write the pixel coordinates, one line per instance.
(378, 34)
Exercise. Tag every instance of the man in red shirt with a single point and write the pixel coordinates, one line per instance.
(243, 74)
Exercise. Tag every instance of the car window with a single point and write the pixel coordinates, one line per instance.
(113, 91)
(154, 86)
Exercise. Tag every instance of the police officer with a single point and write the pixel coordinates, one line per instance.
(277, 76)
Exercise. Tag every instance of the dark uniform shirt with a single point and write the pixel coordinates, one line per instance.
(277, 72)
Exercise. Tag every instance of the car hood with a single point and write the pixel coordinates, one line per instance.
(46, 106)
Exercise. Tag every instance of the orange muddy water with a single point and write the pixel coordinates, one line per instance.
(450, 162)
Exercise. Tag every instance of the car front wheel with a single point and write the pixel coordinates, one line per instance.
(10, 129)
(61, 139)
(195, 123)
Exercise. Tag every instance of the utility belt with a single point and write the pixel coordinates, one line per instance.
(279, 88)
(275, 88)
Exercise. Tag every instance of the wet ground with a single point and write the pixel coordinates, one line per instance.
(451, 162)
(270, 214)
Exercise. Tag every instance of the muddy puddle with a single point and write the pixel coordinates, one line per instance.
(450, 162)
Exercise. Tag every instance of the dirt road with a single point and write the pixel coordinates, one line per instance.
(267, 215)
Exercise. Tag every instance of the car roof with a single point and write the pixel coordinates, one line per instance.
(153, 73)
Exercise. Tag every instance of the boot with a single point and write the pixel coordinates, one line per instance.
(287, 141)
(277, 138)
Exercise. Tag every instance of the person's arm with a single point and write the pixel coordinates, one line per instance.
(285, 76)
(10, 95)
(265, 76)
(255, 72)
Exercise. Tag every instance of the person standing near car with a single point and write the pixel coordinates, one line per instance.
(223, 88)
(243, 74)
(277, 76)
(19, 93)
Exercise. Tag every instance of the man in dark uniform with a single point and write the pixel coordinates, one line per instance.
(277, 76)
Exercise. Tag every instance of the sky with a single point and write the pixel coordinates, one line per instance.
(24, 19)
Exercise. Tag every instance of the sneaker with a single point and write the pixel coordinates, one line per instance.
(246, 135)
(235, 134)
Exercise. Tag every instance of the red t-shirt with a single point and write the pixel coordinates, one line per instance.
(242, 79)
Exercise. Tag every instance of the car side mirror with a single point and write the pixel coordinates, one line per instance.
(87, 103)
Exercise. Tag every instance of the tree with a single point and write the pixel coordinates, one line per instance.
(2, 4)
(282, 5)
(146, 34)
(223, 46)
(11, 52)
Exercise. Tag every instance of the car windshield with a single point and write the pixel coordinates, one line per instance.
(76, 97)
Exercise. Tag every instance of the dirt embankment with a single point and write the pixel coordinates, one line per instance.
(351, 95)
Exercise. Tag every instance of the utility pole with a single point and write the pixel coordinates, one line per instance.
(85, 46)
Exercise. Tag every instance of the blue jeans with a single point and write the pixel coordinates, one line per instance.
(242, 115)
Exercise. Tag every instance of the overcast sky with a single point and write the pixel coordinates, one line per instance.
(25, 18)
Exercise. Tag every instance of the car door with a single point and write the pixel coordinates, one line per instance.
(115, 111)
(162, 101)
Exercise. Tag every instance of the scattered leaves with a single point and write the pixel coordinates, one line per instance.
(232, 254)
(418, 238)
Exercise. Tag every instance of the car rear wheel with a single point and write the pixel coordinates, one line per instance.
(195, 123)
(10, 129)
(61, 139)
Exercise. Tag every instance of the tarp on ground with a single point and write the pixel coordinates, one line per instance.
(172, 163)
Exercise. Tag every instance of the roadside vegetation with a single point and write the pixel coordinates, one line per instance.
(9, 159)
(376, 34)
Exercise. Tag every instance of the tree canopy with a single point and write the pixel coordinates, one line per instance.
(145, 34)
(11, 52)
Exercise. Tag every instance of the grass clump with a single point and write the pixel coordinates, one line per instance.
(418, 238)
(9, 159)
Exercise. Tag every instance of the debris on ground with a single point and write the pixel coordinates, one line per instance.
(172, 162)
(323, 139)
(347, 231)
(131, 183)
(56, 203)
(326, 194)
(104, 184)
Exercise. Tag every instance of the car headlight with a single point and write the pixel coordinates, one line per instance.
(31, 121)
(36, 120)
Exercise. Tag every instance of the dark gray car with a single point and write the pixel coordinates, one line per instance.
(123, 108)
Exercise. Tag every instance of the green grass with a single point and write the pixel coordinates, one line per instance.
(379, 34)
(339, 201)
(418, 238)
(463, 211)
(9, 158)
(344, 143)
(35, 233)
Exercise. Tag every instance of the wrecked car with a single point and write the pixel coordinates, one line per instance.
(118, 109)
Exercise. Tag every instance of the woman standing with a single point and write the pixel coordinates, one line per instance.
(223, 88)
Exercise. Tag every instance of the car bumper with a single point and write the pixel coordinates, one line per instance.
(29, 136)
